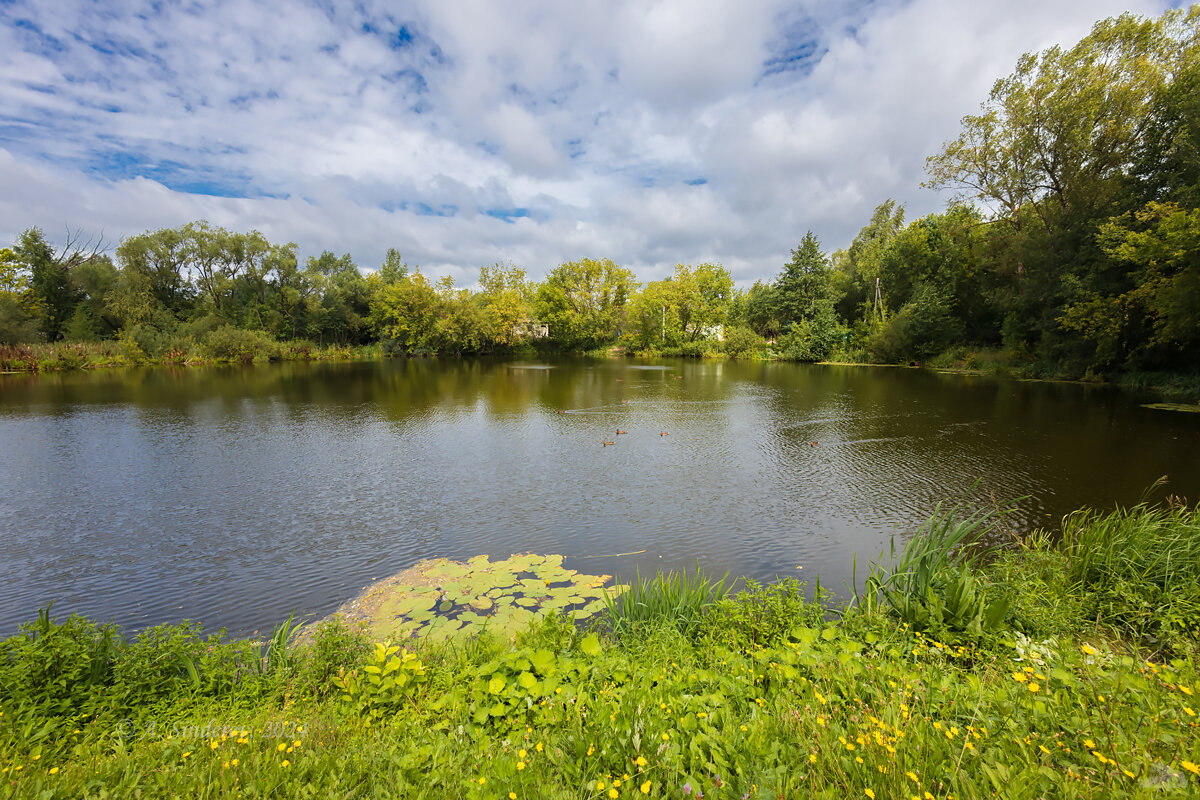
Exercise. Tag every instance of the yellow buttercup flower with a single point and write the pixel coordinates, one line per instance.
(1020, 676)
(641, 762)
(869, 794)
(1190, 767)
(645, 787)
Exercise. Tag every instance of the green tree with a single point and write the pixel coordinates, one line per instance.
(804, 285)
(159, 260)
(702, 295)
(857, 280)
(764, 310)
(406, 312)
(1059, 130)
(507, 302)
(652, 318)
(584, 302)
(1156, 323)
(54, 296)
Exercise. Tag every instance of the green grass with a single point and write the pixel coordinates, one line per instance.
(761, 694)
(66, 356)
(1139, 569)
(673, 598)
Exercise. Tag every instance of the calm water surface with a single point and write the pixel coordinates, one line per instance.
(236, 496)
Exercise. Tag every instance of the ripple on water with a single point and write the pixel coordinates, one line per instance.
(236, 497)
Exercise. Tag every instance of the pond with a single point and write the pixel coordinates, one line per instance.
(238, 495)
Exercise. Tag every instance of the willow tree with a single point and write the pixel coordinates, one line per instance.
(1065, 125)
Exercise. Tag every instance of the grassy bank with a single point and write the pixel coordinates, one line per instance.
(945, 679)
(242, 347)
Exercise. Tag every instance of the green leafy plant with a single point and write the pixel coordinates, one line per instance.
(385, 684)
(932, 586)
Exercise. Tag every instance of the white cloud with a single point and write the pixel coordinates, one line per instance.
(355, 128)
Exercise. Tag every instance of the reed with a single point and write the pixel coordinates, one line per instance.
(1140, 566)
(673, 598)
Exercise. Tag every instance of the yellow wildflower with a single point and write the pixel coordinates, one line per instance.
(812, 757)
(520, 765)
(53, 770)
(641, 761)
(521, 752)
(539, 747)
(912, 777)
(869, 794)
(645, 787)
(1190, 767)
(1020, 676)
(512, 796)
(1088, 650)
(286, 764)
(613, 793)
(1033, 687)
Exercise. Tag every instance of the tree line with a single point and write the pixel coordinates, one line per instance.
(1071, 244)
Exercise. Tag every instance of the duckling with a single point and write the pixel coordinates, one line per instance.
(606, 444)
(619, 431)
(813, 444)
(663, 433)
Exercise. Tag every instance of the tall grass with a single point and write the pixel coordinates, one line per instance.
(1140, 566)
(673, 598)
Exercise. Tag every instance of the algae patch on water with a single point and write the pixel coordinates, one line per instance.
(1185, 407)
(439, 598)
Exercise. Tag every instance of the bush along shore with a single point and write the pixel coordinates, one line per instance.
(1058, 667)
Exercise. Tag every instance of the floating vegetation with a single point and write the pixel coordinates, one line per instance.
(1190, 407)
(439, 598)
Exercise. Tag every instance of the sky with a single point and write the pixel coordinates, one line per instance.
(465, 132)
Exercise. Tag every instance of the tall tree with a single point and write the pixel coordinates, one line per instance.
(1054, 134)
(584, 301)
(804, 283)
(54, 295)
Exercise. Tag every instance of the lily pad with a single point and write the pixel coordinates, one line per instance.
(441, 598)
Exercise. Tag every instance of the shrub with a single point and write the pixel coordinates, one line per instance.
(740, 342)
(228, 343)
(333, 646)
